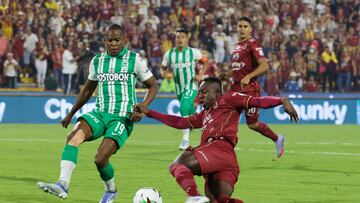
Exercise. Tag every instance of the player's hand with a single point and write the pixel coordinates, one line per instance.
(289, 109)
(141, 109)
(245, 81)
(65, 122)
(137, 113)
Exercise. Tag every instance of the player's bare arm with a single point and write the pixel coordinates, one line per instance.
(149, 96)
(84, 96)
(270, 102)
(200, 75)
(261, 69)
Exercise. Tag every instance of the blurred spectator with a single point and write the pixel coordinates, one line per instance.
(208, 41)
(312, 85)
(346, 67)
(316, 24)
(41, 53)
(4, 42)
(166, 44)
(56, 57)
(168, 84)
(220, 44)
(312, 63)
(292, 85)
(11, 68)
(330, 63)
(7, 26)
(29, 46)
(154, 54)
(70, 67)
(84, 58)
(50, 82)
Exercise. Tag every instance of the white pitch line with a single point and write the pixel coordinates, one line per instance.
(299, 152)
(306, 143)
(237, 148)
(28, 140)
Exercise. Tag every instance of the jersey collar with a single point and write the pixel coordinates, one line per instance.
(120, 54)
(183, 50)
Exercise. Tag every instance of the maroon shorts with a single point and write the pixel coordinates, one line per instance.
(252, 114)
(218, 161)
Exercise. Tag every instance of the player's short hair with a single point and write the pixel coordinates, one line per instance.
(183, 30)
(244, 18)
(116, 27)
(214, 80)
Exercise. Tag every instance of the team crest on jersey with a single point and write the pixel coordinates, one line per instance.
(236, 56)
(122, 77)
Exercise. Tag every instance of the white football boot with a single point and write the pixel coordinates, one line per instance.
(280, 145)
(54, 188)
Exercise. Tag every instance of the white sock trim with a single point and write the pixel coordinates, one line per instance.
(66, 169)
(186, 133)
(110, 185)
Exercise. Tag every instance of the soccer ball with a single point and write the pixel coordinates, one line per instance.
(147, 195)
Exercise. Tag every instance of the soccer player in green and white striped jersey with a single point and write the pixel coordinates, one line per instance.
(181, 62)
(114, 72)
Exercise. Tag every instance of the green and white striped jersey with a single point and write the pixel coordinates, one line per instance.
(182, 65)
(116, 76)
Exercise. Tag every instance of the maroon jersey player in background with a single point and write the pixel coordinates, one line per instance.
(215, 157)
(249, 62)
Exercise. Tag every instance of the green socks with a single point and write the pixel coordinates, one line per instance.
(107, 172)
(70, 153)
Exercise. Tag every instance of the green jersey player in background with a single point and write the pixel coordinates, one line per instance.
(181, 62)
(114, 72)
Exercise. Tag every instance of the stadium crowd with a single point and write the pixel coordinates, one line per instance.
(311, 45)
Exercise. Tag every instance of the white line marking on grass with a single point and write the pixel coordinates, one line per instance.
(163, 142)
(28, 140)
(299, 152)
(307, 143)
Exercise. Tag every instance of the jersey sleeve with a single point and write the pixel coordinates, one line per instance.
(195, 120)
(256, 50)
(238, 100)
(92, 74)
(141, 69)
(165, 61)
(197, 54)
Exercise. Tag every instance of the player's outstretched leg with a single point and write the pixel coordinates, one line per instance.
(264, 129)
(106, 170)
(67, 165)
(56, 189)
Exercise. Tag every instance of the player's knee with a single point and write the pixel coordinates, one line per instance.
(171, 168)
(253, 126)
(100, 160)
(72, 139)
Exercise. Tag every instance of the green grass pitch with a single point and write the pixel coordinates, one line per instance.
(321, 164)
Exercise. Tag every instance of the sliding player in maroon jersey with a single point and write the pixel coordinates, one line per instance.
(249, 62)
(215, 157)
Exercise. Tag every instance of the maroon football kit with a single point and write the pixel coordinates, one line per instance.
(219, 126)
(244, 61)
